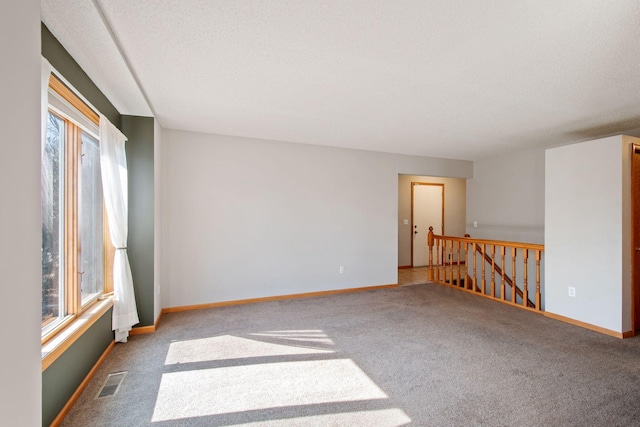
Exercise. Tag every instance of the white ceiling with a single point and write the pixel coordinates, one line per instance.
(445, 78)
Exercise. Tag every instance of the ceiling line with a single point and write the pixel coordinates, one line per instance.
(116, 42)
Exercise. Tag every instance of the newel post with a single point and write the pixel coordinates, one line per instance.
(430, 240)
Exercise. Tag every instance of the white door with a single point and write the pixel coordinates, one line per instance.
(427, 204)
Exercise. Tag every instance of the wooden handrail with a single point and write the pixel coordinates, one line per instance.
(453, 249)
(467, 238)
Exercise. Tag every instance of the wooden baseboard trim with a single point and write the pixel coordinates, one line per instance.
(404, 266)
(142, 330)
(76, 394)
(274, 298)
(589, 326)
(146, 329)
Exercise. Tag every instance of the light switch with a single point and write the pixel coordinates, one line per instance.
(475, 224)
(406, 222)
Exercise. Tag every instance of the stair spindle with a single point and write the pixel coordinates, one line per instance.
(503, 252)
(451, 261)
(513, 275)
(538, 296)
(484, 279)
(430, 244)
(458, 262)
(438, 260)
(474, 279)
(525, 291)
(493, 270)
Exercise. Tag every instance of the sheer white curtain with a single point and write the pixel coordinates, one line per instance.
(113, 162)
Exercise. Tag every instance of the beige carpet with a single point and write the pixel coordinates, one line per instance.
(423, 355)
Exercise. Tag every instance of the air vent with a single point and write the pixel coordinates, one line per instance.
(112, 384)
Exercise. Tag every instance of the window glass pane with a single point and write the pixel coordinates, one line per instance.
(91, 220)
(52, 205)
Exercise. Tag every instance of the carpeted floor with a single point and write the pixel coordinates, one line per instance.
(424, 355)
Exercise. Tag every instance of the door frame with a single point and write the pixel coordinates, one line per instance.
(635, 216)
(413, 184)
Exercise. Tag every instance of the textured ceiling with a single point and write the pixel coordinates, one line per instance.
(444, 78)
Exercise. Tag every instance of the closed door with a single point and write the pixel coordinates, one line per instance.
(427, 205)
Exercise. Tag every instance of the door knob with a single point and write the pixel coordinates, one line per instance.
(638, 249)
(416, 232)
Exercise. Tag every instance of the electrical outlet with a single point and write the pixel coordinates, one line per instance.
(342, 269)
(572, 291)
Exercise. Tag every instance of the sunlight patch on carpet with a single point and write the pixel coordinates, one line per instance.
(383, 417)
(224, 390)
(229, 347)
(311, 337)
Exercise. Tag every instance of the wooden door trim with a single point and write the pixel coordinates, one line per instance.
(413, 184)
(635, 216)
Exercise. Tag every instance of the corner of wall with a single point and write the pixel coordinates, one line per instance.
(140, 150)
(627, 231)
(157, 209)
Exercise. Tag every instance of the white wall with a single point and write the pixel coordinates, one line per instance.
(157, 221)
(20, 263)
(247, 218)
(586, 232)
(506, 197)
(454, 210)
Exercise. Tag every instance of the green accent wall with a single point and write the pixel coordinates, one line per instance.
(60, 59)
(63, 377)
(140, 155)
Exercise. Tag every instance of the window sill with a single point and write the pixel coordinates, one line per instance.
(57, 345)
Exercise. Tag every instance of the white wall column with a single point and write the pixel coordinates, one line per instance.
(20, 228)
(587, 227)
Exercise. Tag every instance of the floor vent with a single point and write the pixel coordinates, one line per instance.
(112, 384)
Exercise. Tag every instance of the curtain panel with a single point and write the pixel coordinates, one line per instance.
(113, 163)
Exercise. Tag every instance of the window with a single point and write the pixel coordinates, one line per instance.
(52, 200)
(91, 221)
(75, 251)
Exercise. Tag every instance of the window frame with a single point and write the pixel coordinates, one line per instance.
(74, 309)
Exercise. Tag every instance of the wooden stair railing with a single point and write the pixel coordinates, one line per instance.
(507, 279)
(456, 264)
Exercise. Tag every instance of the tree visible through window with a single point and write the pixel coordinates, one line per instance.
(73, 219)
(52, 190)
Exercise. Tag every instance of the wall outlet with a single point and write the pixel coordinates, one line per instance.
(572, 291)
(342, 269)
